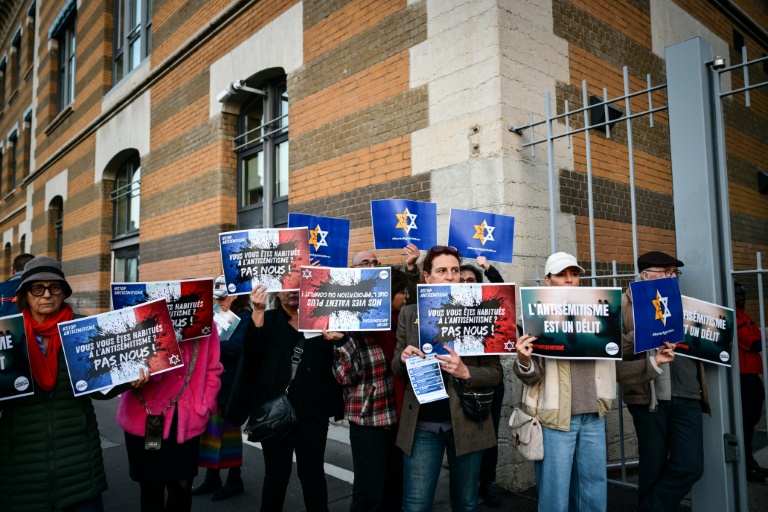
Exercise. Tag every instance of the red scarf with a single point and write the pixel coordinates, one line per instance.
(45, 367)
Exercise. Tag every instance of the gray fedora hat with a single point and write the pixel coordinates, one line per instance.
(43, 268)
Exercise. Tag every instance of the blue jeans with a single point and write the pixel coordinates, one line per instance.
(422, 470)
(572, 477)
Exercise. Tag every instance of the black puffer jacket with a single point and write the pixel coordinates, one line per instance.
(50, 449)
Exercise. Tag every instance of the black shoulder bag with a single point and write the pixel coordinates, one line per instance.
(274, 418)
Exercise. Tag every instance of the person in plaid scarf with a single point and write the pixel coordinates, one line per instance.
(361, 365)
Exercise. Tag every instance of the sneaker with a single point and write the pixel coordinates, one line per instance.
(206, 486)
(491, 494)
(231, 487)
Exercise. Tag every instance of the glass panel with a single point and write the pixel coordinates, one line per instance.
(254, 118)
(135, 200)
(119, 67)
(252, 180)
(118, 23)
(121, 206)
(134, 53)
(71, 49)
(135, 19)
(281, 169)
(126, 269)
(283, 105)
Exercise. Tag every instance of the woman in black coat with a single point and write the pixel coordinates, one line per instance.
(314, 394)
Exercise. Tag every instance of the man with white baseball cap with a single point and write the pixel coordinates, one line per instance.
(569, 397)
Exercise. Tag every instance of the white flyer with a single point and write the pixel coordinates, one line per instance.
(426, 378)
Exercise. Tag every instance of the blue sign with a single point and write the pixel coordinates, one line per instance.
(657, 309)
(328, 238)
(399, 222)
(482, 234)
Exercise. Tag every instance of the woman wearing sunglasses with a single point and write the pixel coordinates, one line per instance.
(50, 448)
(428, 431)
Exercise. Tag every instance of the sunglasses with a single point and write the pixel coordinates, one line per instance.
(445, 249)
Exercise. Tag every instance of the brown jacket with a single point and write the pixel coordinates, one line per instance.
(636, 371)
(485, 370)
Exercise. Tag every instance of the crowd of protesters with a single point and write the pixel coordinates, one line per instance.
(50, 457)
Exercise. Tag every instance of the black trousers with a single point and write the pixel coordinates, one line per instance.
(491, 455)
(752, 396)
(307, 439)
(671, 449)
(378, 466)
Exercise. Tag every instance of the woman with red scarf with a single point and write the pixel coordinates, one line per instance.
(50, 448)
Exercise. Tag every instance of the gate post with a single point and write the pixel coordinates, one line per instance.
(703, 237)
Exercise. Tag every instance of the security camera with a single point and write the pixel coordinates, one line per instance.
(718, 63)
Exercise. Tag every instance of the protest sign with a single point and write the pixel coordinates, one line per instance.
(482, 234)
(573, 322)
(472, 319)
(266, 257)
(345, 299)
(399, 222)
(15, 374)
(108, 349)
(426, 378)
(657, 310)
(709, 331)
(190, 303)
(328, 238)
(226, 322)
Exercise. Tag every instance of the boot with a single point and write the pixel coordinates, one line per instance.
(233, 486)
(211, 483)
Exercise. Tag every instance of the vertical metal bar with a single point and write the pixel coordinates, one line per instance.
(567, 125)
(615, 272)
(731, 389)
(533, 134)
(590, 200)
(551, 167)
(605, 109)
(650, 97)
(761, 305)
(746, 75)
(631, 152)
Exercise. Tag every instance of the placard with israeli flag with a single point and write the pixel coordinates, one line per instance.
(328, 238)
(482, 234)
(345, 299)
(657, 309)
(399, 222)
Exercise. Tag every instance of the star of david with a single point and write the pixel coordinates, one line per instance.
(483, 232)
(406, 220)
(306, 273)
(509, 346)
(662, 310)
(174, 359)
(206, 330)
(317, 237)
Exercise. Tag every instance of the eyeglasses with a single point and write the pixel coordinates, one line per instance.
(668, 272)
(367, 264)
(38, 290)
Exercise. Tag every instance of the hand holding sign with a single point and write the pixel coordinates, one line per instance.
(665, 354)
(453, 365)
(524, 347)
(410, 351)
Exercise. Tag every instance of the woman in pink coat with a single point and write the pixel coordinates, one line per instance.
(185, 398)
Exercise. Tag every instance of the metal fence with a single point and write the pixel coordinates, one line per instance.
(549, 131)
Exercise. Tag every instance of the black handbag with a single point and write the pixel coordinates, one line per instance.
(475, 402)
(274, 418)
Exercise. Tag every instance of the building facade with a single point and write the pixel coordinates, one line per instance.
(134, 131)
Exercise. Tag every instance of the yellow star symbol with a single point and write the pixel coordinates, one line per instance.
(313, 236)
(406, 220)
(480, 232)
(662, 310)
